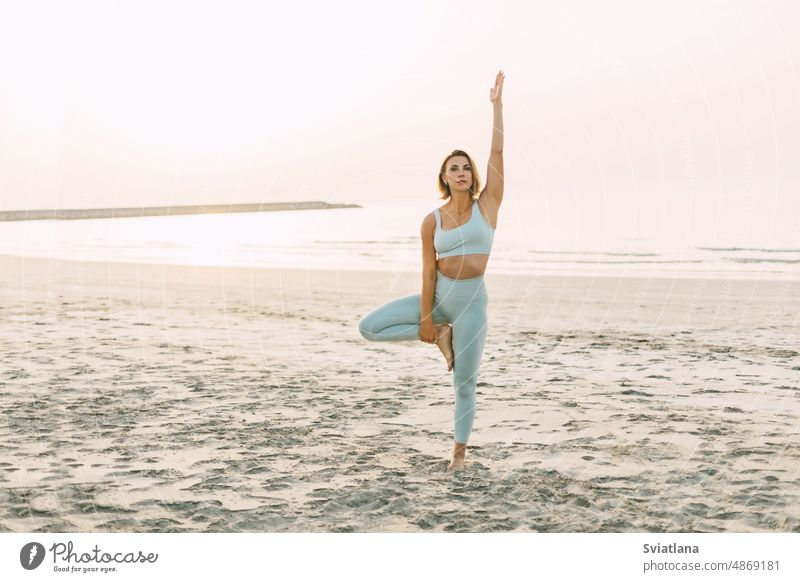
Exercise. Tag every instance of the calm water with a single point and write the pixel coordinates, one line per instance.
(385, 236)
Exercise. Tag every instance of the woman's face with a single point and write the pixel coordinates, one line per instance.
(458, 173)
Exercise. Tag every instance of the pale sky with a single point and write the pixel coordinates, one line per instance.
(151, 103)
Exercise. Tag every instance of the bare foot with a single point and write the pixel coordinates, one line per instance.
(457, 464)
(459, 452)
(444, 339)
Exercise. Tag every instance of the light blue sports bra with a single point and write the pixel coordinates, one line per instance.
(474, 237)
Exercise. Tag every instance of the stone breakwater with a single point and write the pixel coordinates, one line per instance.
(85, 213)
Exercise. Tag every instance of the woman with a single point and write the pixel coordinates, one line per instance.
(451, 309)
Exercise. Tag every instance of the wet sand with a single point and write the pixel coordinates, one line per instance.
(143, 398)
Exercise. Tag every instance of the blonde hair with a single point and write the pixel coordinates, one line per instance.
(476, 179)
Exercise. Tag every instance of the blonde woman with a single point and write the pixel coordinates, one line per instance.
(456, 243)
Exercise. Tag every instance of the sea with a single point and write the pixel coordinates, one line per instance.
(384, 235)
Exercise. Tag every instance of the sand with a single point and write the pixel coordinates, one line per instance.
(142, 398)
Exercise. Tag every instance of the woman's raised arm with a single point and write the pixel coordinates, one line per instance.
(494, 173)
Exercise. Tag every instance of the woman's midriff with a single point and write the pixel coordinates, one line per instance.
(463, 266)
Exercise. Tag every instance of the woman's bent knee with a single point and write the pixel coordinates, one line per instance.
(365, 327)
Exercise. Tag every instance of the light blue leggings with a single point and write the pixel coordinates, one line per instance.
(461, 302)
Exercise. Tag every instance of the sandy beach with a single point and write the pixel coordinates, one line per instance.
(142, 398)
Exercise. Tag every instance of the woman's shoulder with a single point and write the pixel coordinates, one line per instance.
(427, 229)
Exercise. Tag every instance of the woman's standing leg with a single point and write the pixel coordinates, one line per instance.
(469, 336)
(464, 302)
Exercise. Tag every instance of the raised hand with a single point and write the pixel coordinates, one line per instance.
(496, 92)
